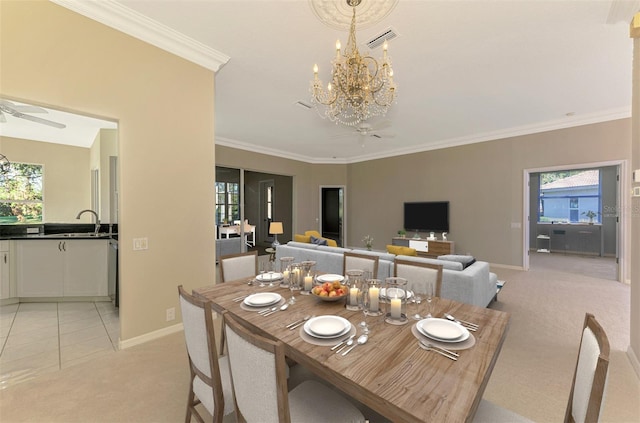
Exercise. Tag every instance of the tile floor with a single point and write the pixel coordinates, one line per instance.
(36, 338)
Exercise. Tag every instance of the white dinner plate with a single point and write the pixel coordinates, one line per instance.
(266, 277)
(262, 299)
(329, 278)
(442, 330)
(383, 293)
(327, 326)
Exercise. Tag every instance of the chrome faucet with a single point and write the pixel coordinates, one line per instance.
(97, 229)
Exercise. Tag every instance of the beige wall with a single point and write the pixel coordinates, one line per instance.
(483, 182)
(66, 175)
(52, 56)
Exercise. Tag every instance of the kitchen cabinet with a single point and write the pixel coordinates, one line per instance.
(62, 268)
(5, 282)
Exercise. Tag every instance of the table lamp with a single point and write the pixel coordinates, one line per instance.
(275, 228)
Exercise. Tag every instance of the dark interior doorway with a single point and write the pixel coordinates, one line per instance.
(332, 213)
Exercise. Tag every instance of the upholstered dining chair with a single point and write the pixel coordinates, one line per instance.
(419, 274)
(210, 383)
(238, 266)
(363, 262)
(261, 386)
(587, 387)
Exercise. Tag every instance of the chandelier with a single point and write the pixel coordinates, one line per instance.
(360, 87)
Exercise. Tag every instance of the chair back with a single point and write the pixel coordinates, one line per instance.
(258, 373)
(589, 379)
(419, 274)
(363, 262)
(197, 318)
(238, 266)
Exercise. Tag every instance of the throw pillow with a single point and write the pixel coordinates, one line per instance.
(399, 250)
(318, 241)
(466, 261)
(301, 238)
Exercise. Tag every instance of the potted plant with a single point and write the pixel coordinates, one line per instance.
(402, 233)
(590, 214)
(368, 242)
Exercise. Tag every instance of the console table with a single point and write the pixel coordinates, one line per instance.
(425, 247)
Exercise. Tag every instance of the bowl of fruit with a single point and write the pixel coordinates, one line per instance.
(330, 291)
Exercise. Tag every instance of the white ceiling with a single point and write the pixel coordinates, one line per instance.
(80, 131)
(467, 71)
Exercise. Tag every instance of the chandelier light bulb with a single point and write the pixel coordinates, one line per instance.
(315, 69)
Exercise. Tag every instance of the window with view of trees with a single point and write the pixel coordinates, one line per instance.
(21, 194)
(227, 202)
(571, 196)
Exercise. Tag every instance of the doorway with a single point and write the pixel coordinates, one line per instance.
(574, 219)
(267, 199)
(332, 213)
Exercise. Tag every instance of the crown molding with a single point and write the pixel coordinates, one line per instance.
(130, 22)
(574, 121)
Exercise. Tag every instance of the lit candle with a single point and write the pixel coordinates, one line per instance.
(285, 275)
(396, 308)
(374, 295)
(308, 281)
(353, 296)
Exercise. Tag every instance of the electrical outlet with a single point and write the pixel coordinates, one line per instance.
(140, 244)
(171, 314)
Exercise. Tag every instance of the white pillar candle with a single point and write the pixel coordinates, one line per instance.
(374, 295)
(396, 308)
(308, 282)
(285, 275)
(353, 296)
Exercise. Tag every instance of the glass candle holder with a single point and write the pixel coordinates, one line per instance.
(396, 301)
(285, 268)
(308, 275)
(354, 285)
(373, 294)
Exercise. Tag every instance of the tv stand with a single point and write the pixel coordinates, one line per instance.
(426, 247)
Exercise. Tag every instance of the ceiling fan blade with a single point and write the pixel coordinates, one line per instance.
(24, 108)
(39, 120)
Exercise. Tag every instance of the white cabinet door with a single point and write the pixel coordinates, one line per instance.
(39, 267)
(5, 284)
(85, 269)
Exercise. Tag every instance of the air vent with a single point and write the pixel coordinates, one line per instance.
(303, 104)
(378, 40)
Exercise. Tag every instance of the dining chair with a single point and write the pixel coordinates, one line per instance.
(259, 377)
(419, 274)
(238, 266)
(587, 387)
(210, 383)
(363, 262)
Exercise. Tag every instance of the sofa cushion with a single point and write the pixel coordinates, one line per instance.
(446, 264)
(332, 249)
(302, 245)
(400, 250)
(330, 242)
(466, 261)
(301, 238)
(380, 254)
(318, 241)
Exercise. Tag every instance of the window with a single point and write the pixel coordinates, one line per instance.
(21, 194)
(570, 196)
(227, 202)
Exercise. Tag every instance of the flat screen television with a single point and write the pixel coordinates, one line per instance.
(427, 216)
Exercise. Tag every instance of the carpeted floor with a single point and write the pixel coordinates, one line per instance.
(148, 383)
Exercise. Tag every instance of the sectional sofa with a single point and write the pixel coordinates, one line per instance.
(473, 284)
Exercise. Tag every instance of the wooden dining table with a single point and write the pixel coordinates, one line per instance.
(390, 373)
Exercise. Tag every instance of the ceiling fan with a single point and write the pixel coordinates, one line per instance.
(366, 131)
(18, 111)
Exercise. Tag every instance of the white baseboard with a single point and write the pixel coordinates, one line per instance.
(128, 343)
(506, 266)
(633, 358)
